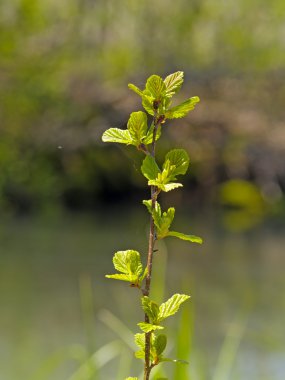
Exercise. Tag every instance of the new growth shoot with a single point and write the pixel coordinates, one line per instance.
(156, 101)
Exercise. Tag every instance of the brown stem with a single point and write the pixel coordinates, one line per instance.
(148, 366)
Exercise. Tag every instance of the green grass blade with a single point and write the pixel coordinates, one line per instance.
(119, 328)
(228, 352)
(101, 357)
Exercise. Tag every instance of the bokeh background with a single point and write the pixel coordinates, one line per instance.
(68, 201)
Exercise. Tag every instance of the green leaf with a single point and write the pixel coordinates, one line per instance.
(192, 238)
(171, 306)
(165, 222)
(150, 168)
(163, 179)
(150, 308)
(137, 126)
(173, 83)
(132, 378)
(156, 87)
(128, 262)
(123, 277)
(180, 159)
(182, 109)
(117, 135)
(148, 204)
(140, 354)
(140, 341)
(148, 327)
(149, 137)
(135, 89)
(159, 344)
(147, 103)
(156, 214)
(165, 187)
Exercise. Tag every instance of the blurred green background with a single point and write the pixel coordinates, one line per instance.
(64, 70)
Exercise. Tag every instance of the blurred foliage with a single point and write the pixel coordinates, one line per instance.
(244, 202)
(64, 69)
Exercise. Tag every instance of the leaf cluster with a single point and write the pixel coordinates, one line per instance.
(157, 95)
(176, 162)
(157, 314)
(137, 132)
(163, 221)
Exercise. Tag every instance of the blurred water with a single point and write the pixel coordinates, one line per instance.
(231, 278)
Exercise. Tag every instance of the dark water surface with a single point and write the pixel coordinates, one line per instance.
(49, 320)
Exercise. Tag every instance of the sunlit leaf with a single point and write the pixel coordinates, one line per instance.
(165, 222)
(140, 354)
(135, 89)
(148, 204)
(171, 306)
(192, 238)
(150, 308)
(137, 126)
(156, 87)
(147, 103)
(182, 109)
(128, 262)
(117, 135)
(150, 168)
(140, 341)
(180, 159)
(147, 327)
(173, 83)
(165, 187)
(132, 278)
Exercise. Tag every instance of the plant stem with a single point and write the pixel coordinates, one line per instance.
(147, 366)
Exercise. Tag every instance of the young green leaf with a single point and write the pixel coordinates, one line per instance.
(178, 158)
(171, 306)
(192, 238)
(182, 109)
(159, 344)
(129, 264)
(156, 87)
(140, 341)
(150, 168)
(165, 222)
(163, 180)
(137, 126)
(150, 308)
(148, 327)
(148, 204)
(147, 103)
(140, 354)
(173, 83)
(116, 135)
(162, 221)
(165, 186)
(135, 89)
(132, 278)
